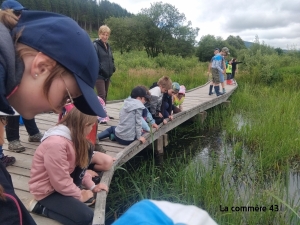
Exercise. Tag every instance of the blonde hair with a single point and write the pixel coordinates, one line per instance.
(24, 50)
(77, 121)
(104, 29)
(9, 19)
(165, 82)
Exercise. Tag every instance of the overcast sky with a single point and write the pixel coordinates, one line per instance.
(276, 22)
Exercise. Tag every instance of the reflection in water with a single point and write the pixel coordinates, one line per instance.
(241, 165)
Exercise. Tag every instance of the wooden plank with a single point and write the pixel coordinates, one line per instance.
(112, 149)
(20, 182)
(196, 101)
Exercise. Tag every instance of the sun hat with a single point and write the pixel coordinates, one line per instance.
(182, 90)
(175, 86)
(63, 40)
(139, 91)
(12, 4)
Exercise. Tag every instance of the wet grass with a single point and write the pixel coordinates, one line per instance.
(244, 157)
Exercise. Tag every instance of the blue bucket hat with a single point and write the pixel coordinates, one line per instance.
(12, 4)
(63, 40)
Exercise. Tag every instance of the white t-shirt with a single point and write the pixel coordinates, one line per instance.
(155, 91)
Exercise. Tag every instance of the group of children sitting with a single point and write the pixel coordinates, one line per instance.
(66, 148)
(145, 107)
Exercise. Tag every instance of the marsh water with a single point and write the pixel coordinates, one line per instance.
(241, 166)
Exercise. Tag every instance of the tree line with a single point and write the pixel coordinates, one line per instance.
(159, 29)
(89, 14)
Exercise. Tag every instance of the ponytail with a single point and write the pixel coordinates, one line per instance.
(8, 18)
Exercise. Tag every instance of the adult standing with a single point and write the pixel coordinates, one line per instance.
(106, 62)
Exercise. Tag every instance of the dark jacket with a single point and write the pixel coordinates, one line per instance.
(106, 60)
(12, 210)
(11, 69)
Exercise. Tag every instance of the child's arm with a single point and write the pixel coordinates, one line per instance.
(138, 123)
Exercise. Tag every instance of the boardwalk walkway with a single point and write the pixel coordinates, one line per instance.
(197, 100)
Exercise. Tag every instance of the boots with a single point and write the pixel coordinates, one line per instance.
(210, 90)
(217, 90)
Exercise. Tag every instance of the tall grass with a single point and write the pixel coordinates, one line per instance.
(251, 162)
(135, 68)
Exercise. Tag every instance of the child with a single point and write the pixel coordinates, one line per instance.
(129, 128)
(218, 68)
(229, 72)
(167, 103)
(154, 105)
(58, 64)
(216, 51)
(103, 120)
(57, 61)
(58, 170)
(178, 100)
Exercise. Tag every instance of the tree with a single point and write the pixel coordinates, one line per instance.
(169, 30)
(126, 33)
(206, 47)
(236, 42)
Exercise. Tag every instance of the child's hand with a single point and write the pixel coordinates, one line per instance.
(160, 115)
(171, 117)
(86, 195)
(100, 187)
(165, 121)
(142, 139)
(92, 173)
(155, 126)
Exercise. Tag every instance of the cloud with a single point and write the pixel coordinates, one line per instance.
(276, 22)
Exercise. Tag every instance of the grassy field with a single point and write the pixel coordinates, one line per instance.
(135, 68)
(247, 180)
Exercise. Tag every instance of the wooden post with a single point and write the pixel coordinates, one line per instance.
(200, 117)
(159, 145)
(166, 140)
(203, 116)
(226, 103)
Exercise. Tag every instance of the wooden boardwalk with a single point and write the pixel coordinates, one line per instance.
(196, 101)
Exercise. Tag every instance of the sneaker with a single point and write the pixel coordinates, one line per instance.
(16, 146)
(35, 138)
(8, 160)
(35, 207)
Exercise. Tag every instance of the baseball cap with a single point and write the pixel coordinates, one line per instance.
(139, 91)
(182, 89)
(226, 50)
(217, 49)
(63, 40)
(12, 4)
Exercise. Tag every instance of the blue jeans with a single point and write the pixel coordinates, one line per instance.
(111, 131)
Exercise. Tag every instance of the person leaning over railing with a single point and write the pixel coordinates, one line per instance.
(52, 61)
